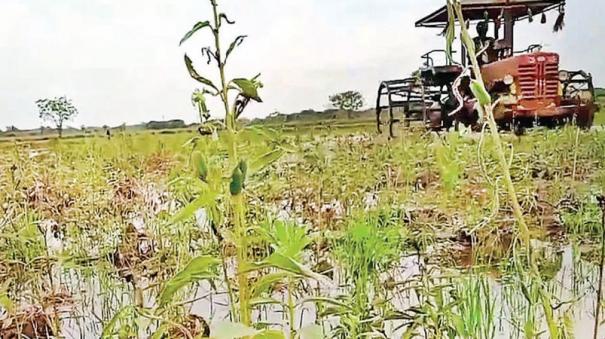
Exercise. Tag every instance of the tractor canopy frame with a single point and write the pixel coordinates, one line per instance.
(475, 10)
(505, 12)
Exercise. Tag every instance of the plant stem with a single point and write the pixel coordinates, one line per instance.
(55, 315)
(602, 263)
(221, 65)
(517, 211)
(575, 155)
(237, 203)
(228, 283)
(242, 257)
(504, 166)
(291, 307)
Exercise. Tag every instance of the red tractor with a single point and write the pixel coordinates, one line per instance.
(527, 85)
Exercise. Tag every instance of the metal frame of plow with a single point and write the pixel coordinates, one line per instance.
(410, 94)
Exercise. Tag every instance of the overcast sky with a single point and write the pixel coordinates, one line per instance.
(119, 60)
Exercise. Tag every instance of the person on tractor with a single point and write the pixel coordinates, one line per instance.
(484, 45)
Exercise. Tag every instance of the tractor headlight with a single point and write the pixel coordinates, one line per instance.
(508, 80)
(563, 76)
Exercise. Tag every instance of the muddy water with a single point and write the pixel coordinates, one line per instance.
(574, 282)
(573, 286)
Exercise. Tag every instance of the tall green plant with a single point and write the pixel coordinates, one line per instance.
(486, 109)
(235, 95)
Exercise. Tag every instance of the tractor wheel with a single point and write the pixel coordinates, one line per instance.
(585, 119)
(549, 122)
(504, 125)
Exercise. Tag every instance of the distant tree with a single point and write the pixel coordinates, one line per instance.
(349, 101)
(170, 124)
(57, 111)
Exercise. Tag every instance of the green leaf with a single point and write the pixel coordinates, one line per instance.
(160, 332)
(196, 27)
(325, 300)
(264, 301)
(266, 160)
(193, 141)
(6, 303)
(194, 74)
(206, 199)
(243, 167)
(312, 331)
(238, 41)
(288, 264)
(123, 314)
(526, 293)
(450, 33)
(248, 88)
(289, 239)
(468, 43)
(270, 334)
(263, 285)
(481, 93)
(200, 165)
(410, 331)
(229, 330)
(198, 99)
(198, 269)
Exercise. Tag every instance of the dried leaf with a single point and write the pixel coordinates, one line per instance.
(194, 74)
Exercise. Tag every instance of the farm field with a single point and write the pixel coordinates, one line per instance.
(348, 235)
(455, 194)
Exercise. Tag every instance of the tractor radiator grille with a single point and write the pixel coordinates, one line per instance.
(539, 80)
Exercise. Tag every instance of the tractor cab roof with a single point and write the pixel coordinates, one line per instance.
(475, 10)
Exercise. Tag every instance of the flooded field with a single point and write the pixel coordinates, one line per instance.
(349, 236)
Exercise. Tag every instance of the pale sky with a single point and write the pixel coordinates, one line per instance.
(119, 60)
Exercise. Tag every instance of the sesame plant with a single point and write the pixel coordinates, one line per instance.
(225, 198)
(245, 90)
